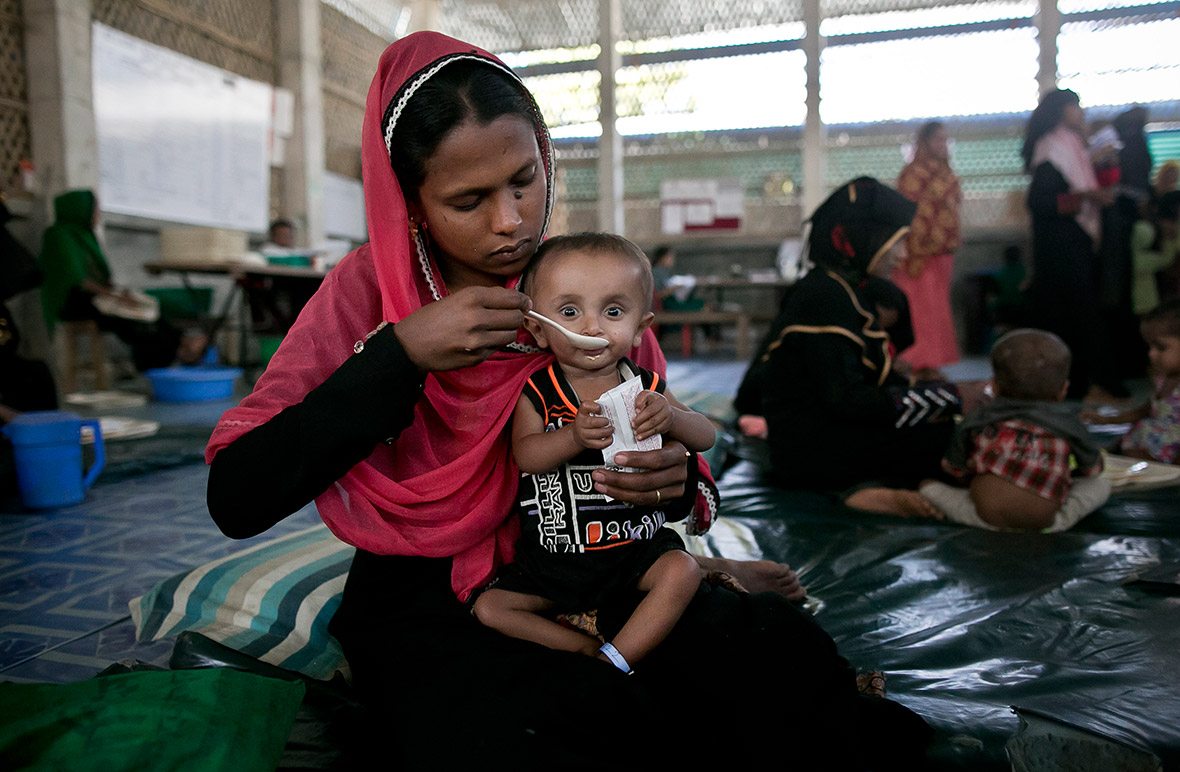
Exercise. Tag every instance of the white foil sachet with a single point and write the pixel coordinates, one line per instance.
(618, 405)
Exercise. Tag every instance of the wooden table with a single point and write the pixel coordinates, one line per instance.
(719, 285)
(686, 320)
(241, 273)
(233, 269)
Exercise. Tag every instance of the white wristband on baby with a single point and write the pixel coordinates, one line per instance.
(615, 657)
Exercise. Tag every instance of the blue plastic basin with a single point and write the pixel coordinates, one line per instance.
(192, 384)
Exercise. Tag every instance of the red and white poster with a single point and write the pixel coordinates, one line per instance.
(689, 205)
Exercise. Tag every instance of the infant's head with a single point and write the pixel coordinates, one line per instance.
(1161, 330)
(1031, 365)
(596, 284)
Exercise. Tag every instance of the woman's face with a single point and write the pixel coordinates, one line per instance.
(482, 201)
(936, 145)
(1074, 117)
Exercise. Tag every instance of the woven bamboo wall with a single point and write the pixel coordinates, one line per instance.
(350, 54)
(236, 36)
(14, 99)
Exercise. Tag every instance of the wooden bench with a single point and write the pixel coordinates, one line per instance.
(688, 319)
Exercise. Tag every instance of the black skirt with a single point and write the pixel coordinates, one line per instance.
(742, 679)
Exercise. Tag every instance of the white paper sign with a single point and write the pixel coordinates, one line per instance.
(179, 140)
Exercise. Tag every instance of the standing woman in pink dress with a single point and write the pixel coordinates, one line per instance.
(925, 275)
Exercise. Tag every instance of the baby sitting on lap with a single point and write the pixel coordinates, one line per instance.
(1026, 460)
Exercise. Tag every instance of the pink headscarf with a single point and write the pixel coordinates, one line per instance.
(448, 484)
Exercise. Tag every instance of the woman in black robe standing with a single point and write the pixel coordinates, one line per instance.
(1066, 207)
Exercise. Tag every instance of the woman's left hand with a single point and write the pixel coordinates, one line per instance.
(660, 481)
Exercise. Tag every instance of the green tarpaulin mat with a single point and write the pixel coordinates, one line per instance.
(217, 720)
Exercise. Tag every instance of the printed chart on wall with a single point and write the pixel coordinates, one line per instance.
(701, 205)
(178, 139)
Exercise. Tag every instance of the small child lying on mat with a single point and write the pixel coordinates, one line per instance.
(1026, 460)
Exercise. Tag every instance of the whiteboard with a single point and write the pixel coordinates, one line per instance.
(179, 140)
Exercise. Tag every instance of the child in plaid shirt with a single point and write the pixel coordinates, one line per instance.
(1026, 460)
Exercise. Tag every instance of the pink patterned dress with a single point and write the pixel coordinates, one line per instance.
(1159, 434)
(925, 275)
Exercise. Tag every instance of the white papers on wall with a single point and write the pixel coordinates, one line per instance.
(178, 139)
(701, 205)
(344, 208)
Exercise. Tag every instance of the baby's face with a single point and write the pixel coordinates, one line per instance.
(598, 294)
(1163, 350)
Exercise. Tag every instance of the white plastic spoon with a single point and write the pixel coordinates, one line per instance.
(581, 341)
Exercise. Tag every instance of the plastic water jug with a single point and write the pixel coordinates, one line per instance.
(47, 446)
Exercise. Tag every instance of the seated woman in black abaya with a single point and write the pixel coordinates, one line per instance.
(838, 415)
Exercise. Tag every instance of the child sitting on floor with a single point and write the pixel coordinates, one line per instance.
(1156, 433)
(578, 549)
(1027, 461)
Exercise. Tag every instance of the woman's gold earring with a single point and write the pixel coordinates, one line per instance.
(413, 227)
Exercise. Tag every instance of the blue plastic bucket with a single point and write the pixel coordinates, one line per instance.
(47, 446)
(192, 384)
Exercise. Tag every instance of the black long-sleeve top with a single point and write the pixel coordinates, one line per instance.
(275, 469)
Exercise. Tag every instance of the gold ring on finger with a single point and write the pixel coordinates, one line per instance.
(657, 497)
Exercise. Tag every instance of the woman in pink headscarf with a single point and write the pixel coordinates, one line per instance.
(388, 402)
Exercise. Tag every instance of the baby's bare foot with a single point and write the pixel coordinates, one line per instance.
(893, 501)
(760, 576)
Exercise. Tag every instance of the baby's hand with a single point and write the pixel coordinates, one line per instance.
(653, 415)
(592, 429)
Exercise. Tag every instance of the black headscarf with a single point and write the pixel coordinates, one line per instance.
(1135, 157)
(1049, 113)
(857, 224)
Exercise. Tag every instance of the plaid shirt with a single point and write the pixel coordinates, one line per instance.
(1024, 454)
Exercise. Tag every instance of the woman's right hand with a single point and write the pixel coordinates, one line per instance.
(462, 329)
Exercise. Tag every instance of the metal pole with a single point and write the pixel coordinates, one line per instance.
(610, 144)
(1048, 21)
(815, 134)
